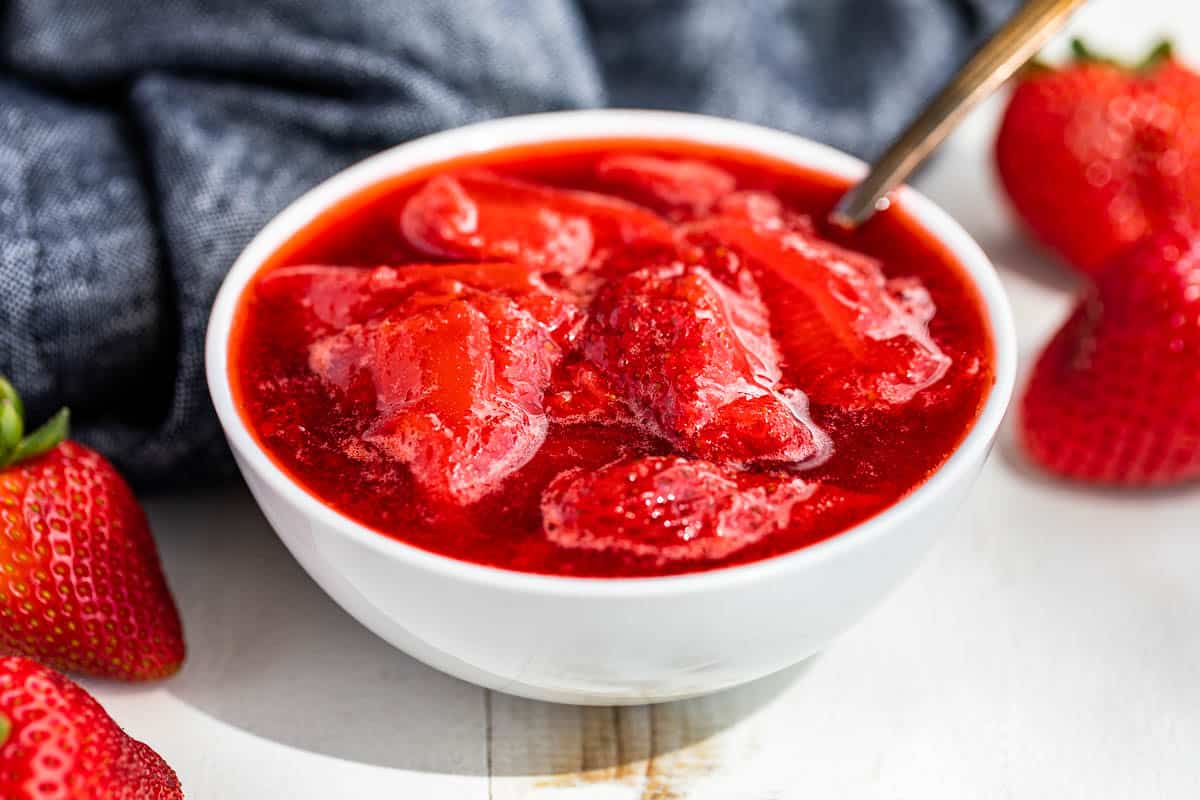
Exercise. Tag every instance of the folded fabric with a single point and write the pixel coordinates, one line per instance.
(143, 142)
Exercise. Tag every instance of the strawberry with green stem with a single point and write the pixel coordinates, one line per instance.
(1096, 154)
(81, 586)
(14, 444)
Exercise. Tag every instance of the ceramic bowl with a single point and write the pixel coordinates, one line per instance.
(606, 641)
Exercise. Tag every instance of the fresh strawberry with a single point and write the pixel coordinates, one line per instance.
(57, 743)
(1095, 155)
(1115, 397)
(81, 587)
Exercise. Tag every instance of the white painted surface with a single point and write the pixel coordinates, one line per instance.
(1049, 648)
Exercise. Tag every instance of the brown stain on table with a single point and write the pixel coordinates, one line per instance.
(659, 752)
(655, 750)
(681, 750)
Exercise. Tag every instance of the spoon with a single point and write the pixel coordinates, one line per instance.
(1008, 50)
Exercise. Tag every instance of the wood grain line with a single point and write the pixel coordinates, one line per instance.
(658, 752)
(650, 783)
(616, 723)
(599, 743)
(487, 717)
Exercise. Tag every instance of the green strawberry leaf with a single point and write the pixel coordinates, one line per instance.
(9, 395)
(1036, 66)
(1082, 52)
(45, 438)
(12, 428)
(13, 447)
(5, 729)
(1163, 51)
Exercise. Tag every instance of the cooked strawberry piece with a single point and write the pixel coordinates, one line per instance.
(762, 209)
(675, 186)
(667, 508)
(340, 296)
(695, 360)
(458, 380)
(849, 335)
(832, 507)
(613, 263)
(579, 445)
(487, 223)
(758, 207)
(333, 297)
(771, 427)
(580, 393)
(482, 216)
(558, 310)
(613, 221)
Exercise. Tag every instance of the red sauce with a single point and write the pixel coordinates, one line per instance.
(884, 442)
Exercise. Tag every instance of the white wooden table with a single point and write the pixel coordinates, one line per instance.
(1050, 646)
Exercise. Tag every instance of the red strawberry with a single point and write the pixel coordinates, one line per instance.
(851, 336)
(679, 187)
(458, 377)
(56, 742)
(331, 298)
(486, 217)
(1095, 155)
(80, 583)
(1115, 397)
(668, 507)
(695, 359)
(580, 393)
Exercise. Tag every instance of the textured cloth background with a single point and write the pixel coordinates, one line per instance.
(142, 143)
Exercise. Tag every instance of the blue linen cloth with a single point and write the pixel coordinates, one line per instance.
(143, 142)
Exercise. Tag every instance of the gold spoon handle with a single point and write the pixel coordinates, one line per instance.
(1008, 50)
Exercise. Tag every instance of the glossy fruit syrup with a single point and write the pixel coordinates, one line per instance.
(610, 358)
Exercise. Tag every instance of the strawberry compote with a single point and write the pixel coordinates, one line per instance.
(609, 359)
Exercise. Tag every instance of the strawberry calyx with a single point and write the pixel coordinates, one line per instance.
(15, 446)
(5, 729)
(1160, 53)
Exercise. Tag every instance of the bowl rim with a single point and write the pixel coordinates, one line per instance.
(565, 126)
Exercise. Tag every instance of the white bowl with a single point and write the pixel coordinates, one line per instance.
(606, 641)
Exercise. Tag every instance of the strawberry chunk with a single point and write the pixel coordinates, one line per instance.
(694, 359)
(332, 297)
(458, 377)
(849, 335)
(581, 394)
(673, 186)
(339, 296)
(762, 209)
(482, 216)
(667, 508)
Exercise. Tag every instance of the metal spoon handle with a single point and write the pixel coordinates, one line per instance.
(1010, 48)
